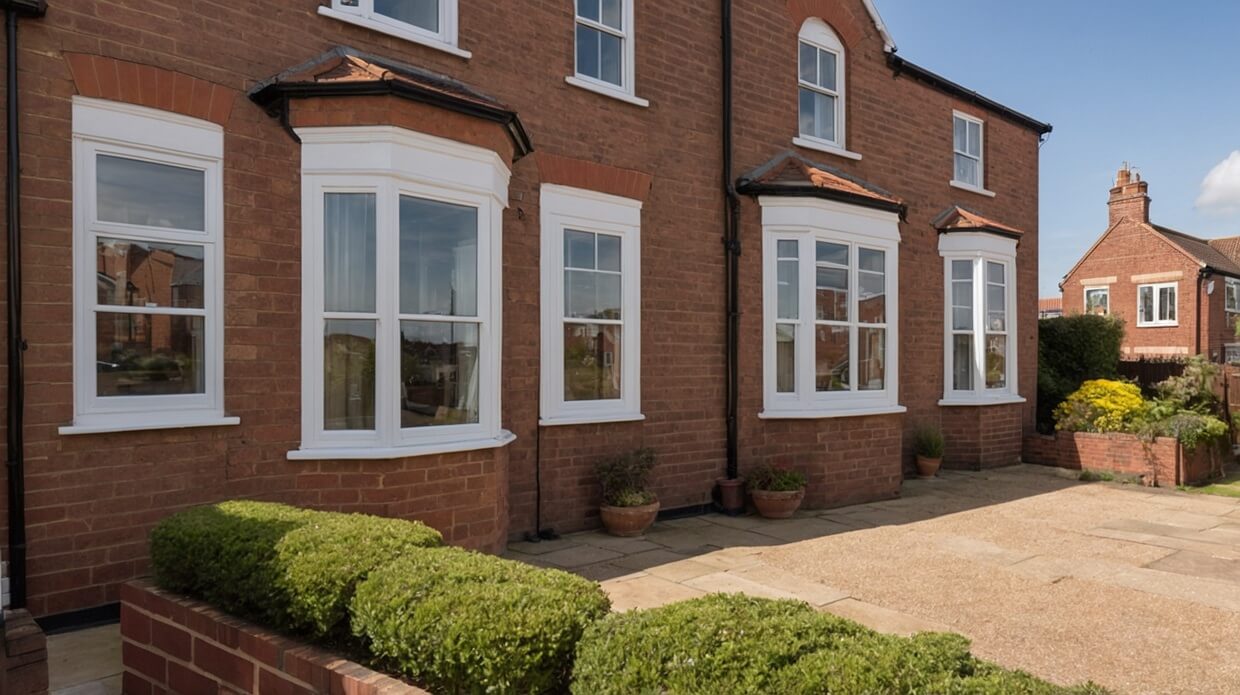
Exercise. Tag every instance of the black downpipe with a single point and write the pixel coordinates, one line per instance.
(732, 251)
(1202, 276)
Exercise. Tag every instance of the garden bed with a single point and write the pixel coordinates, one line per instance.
(1158, 462)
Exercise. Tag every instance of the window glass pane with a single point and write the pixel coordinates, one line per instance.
(994, 272)
(419, 13)
(609, 252)
(591, 362)
(996, 308)
(831, 353)
(832, 253)
(789, 290)
(608, 301)
(1096, 302)
(975, 139)
(438, 373)
(807, 111)
(962, 305)
(824, 107)
(871, 359)
(578, 250)
(1145, 303)
(438, 258)
(611, 14)
(966, 170)
(872, 298)
(960, 134)
(962, 318)
(130, 191)
(349, 252)
(610, 49)
(149, 354)
(826, 70)
(786, 249)
(996, 361)
(589, 9)
(145, 273)
(349, 375)
(808, 63)
(591, 295)
(962, 270)
(587, 51)
(1166, 304)
(962, 362)
(832, 294)
(872, 260)
(785, 358)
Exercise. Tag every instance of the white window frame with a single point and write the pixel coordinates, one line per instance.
(1231, 296)
(137, 132)
(562, 209)
(807, 221)
(1105, 289)
(626, 91)
(362, 13)
(817, 33)
(1156, 288)
(392, 161)
(980, 249)
(980, 187)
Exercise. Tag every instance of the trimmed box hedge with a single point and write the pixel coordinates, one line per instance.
(457, 621)
(737, 644)
(288, 568)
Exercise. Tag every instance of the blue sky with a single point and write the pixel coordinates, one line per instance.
(1150, 82)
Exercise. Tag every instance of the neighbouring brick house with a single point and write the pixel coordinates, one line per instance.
(433, 258)
(1176, 293)
(1050, 307)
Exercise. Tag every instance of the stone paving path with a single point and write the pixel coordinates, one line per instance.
(1137, 589)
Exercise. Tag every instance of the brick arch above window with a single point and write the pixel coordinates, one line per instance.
(844, 19)
(593, 176)
(146, 85)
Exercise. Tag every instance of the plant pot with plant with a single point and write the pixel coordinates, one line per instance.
(928, 447)
(629, 507)
(776, 492)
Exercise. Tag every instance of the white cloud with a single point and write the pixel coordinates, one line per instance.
(1220, 191)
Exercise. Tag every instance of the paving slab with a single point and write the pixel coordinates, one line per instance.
(89, 660)
(883, 619)
(647, 592)
(801, 529)
(980, 551)
(732, 583)
(579, 556)
(627, 546)
(681, 570)
(808, 590)
(542, 547)
(1193, 564)
(1170, 542)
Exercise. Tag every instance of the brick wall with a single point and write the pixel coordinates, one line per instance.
(23, 663)
(93, 498)
(982, 438)
(171, 644)
(1161, 462)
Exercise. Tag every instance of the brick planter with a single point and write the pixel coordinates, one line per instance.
(1162, 462)
(171, 644)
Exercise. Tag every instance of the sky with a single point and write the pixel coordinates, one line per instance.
(1149, 82)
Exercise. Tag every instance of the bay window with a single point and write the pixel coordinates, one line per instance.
(591, 307)
(980, 319)
(1156, 304)
(830, 307)
(148, 269)
(400, 294)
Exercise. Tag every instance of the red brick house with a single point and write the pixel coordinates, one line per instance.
(434, 258)
(1176, 293)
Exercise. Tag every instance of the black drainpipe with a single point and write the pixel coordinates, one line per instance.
(732, 249)
(1202, 275)
(13, 9)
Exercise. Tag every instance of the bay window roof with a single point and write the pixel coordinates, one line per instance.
(960, 219)
(790, 174)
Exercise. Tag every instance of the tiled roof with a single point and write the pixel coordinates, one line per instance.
(1228, 246)
(791, 174)
(1050, 304)
(1204, 251)
(959, 219)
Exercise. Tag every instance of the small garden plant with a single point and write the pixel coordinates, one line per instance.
(625, 479)
(928, 442)
(773, 479)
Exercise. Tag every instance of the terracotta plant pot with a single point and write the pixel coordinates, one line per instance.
(926, 468)
(731, 495)
(628, 521)
(777, 505)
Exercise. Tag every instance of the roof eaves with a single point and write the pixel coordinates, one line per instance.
(900, 65)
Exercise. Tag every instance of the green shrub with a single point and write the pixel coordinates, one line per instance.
(456, 621)
(773, 479)
(625, 479)
(1190, 427)
(928, 442)
(1101, 405)
(287, 568)
(1072, 350)
(739, 645)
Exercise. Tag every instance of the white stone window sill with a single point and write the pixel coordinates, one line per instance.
(559, 420)
(971, 188)
(606, 90)
(1173, 324)
(822, 146)
(963, 402)
(138, 423)
(398, 452)
(830, 413)
(406, 34)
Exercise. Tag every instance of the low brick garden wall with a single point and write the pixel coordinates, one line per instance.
(23, 662)
(174, 644)
(1162, 462)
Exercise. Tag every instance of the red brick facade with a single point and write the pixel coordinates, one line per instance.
(92, 499)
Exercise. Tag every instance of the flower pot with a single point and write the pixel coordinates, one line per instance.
(927, 467)
(731, 495)
(628, 521)
(777, 505)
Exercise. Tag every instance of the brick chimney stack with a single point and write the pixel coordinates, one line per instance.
(1130, 197)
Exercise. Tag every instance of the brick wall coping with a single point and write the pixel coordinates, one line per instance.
(174, 644)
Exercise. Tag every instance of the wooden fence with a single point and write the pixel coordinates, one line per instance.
(1147, 372)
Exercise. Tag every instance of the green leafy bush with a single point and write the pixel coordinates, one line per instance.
(773, 479)
(1101, 405)
(737, 645)
(288, 568)
(1072, 350)
(456, 621)
(1192, 428)
(625, 479)
(928, 442)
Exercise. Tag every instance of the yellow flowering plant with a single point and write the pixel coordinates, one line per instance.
(1101, 405)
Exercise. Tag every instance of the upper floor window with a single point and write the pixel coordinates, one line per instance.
(821, 86)
(968, 158)
(1156, 304)
(148, 262)
(604, 59)
(980, 319)
(428, 22)
(1233, 295)
(1098, 300)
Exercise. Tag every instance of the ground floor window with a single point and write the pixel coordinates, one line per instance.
(1156, 304)
(980, 326)
(1098, 300)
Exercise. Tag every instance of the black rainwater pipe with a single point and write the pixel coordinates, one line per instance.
(15, 449)
(732, 250)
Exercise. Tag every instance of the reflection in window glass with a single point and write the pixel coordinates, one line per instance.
(962, 362)
(591, 362)
(871, 359)
(438, 258)
(131, 191)
(423, 14)
(996, 361)
(149, 354)
(438, 373)
(785, 358)
(832, 373)
(349, 375)
(349, 252)
(148, 274)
